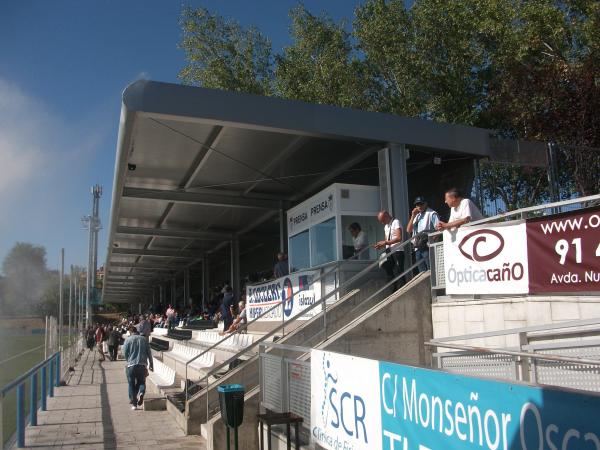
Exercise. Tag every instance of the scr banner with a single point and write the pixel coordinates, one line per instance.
(363, 404)
(559, 254)
(294, 292)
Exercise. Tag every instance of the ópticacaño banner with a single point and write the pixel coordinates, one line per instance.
(489, 259)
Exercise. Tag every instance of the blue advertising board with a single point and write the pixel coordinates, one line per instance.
(422, 409)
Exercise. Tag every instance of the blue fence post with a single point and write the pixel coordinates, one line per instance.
(58, 369)
(51, 379)
(21, 415)
(33, 403)
(44, 385)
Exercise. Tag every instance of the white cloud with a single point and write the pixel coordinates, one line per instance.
(47, 164)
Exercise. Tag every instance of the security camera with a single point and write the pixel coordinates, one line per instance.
(131, 167)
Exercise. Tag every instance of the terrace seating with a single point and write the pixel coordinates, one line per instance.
(184, 353)
(160, 345)
(235, 342)
(160, 331)
(180, 335)
(162, 376)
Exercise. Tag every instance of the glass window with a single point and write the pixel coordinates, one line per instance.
(323, 243)
(299, 252)
(372, 231)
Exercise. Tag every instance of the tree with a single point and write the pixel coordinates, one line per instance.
(222, 54)
(321, 66)
(26, 277)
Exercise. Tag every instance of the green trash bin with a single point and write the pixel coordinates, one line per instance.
(231, 401)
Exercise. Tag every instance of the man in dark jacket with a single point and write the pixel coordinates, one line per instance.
(114, 337)
(227, 308)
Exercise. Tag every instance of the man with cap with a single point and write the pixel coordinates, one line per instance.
(423, 220)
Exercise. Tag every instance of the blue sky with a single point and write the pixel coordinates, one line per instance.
(63, 66)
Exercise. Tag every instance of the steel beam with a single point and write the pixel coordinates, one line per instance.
(147, 266)
(159, 253)
(215, 197)
(176, 233)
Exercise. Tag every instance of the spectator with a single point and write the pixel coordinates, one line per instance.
(240, 320)
(90, 338)
(99, 335)
(423, 221)
(144, 328)
(114, 339)
(359, 240)
(281, 268)
(393, 263)
(227, 308)
(170, 317)
(462, 210)
(138, 355)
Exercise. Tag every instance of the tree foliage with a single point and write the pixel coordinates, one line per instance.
(530, 70)
(222, 54)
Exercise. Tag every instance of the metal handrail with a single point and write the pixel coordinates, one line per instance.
(12, 384)
(521, 211)
(543, 356)
(264, 313)
(262, 340)
(529, 329)
(291, 319)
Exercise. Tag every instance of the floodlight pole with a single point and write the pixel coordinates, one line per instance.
(60, 297)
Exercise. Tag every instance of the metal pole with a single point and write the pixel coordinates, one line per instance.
(44, 386)
(33, 404)
(46, 340)
(21, 415)
(70, 305)
(60, 296)
(88, 282)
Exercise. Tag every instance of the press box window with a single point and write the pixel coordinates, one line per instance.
(299, 252)
(323, 243)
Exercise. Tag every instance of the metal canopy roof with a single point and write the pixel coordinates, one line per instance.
(196, 167)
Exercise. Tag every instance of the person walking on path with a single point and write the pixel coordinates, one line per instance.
(99, 339)
(139, 356)
(145, 328)
(113, 343)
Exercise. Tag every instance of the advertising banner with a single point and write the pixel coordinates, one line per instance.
(295, 292)
(397, 407)
(486, 260)
(564, 252)
(345, 412)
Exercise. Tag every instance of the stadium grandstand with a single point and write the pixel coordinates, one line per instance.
(493, 343)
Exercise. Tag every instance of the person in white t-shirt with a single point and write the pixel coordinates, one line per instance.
(394, 265)
(462, 210)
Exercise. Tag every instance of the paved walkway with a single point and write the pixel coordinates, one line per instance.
(93, 412)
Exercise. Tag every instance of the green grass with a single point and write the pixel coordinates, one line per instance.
(13, 345)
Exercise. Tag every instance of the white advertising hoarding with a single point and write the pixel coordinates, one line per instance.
(297, 292)
(489, 259)
(345, 411)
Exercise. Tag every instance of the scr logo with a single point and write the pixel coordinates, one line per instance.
(484, 245)
(287, 297)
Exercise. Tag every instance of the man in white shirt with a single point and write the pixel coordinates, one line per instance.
(359, 241)
(462, 210)
(394, 265)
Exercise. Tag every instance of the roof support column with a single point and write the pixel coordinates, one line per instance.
(205, 283)
(173, 295)
(186, 287)
(393, 186)
(235, 266)
(161, 296)
(282, 231)
(393, 181)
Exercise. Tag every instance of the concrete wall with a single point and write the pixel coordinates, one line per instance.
(454, 318)
(394, 330)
